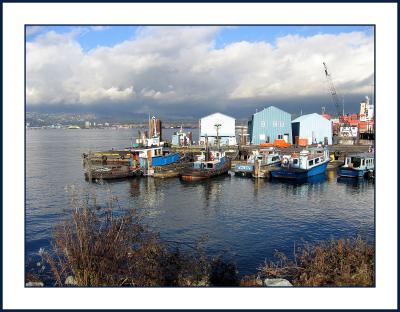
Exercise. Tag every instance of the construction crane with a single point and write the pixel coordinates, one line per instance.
(332, 90)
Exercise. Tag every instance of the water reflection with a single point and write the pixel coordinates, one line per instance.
(209, 192)
(353, 185)
(134, 187)
(331, 175)
(259, 185)
(308, 187)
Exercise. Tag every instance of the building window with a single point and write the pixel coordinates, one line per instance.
(274, 123)
(280, 136)
(262, 124)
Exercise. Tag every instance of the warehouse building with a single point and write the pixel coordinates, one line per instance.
(220, 124)
(269, 125)
(313, 127)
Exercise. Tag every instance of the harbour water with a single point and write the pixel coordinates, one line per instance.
(245, 220)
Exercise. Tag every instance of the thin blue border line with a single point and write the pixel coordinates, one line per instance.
(2, 177)
(207, 2)
(195, 25)
(374, 25)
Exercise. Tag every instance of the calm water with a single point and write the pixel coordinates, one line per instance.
(246, 220)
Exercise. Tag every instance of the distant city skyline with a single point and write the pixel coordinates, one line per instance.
(185, 72)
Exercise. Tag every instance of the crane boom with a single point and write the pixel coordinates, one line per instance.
(332, 89)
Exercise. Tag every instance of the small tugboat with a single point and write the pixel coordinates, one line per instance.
(209, 164)
(266, 158)
(307, 163)
(357, 166)
(111, 172)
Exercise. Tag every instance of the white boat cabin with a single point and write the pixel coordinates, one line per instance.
(267, 156)
(151, 152)
(306, 159)
(215, 158)
(364, 161)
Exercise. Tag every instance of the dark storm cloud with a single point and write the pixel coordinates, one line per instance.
(177, 72)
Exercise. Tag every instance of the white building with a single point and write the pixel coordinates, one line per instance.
(366, 110)
(225, 125)
(313, 127)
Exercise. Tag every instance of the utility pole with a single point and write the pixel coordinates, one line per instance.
(218, 126)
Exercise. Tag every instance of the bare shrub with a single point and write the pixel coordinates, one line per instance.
(96, 247)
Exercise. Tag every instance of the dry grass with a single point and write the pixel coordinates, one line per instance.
(343, 262)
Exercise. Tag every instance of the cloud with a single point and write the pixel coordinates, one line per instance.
(31, 30)
(171, 67)
(99, 28)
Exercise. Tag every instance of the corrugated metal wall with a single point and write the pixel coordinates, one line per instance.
(269, 124)
(314, 126)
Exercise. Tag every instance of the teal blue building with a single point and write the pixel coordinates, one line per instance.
(270, 124)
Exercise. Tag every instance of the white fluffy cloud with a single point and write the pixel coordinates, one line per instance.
(181, 64)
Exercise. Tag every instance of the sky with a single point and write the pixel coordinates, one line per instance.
(186, 72)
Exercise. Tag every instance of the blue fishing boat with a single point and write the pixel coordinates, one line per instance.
(155, 157)
(357, 165)
(302, 165)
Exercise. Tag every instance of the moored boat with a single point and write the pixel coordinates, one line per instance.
(357, 165)
(302, 165)
(265, 158)
(208, 165)
(156, 157)
(111, 172)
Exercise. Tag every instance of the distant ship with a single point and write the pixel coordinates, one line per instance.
(73, 127)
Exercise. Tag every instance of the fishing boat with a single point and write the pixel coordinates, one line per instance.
(209, 164)
(357, 165)
(111, 172)
(307, 163)
(266, 158)
(156, 157)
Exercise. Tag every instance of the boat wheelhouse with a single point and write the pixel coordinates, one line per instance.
(307, 163)
(208, 164)
(264, 157)
(357, 165)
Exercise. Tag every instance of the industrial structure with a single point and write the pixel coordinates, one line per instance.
(333, 92)
(181, 138)
(217, 129)
(269, 125)
(155, 127)
(313, 127)
(366, 110)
